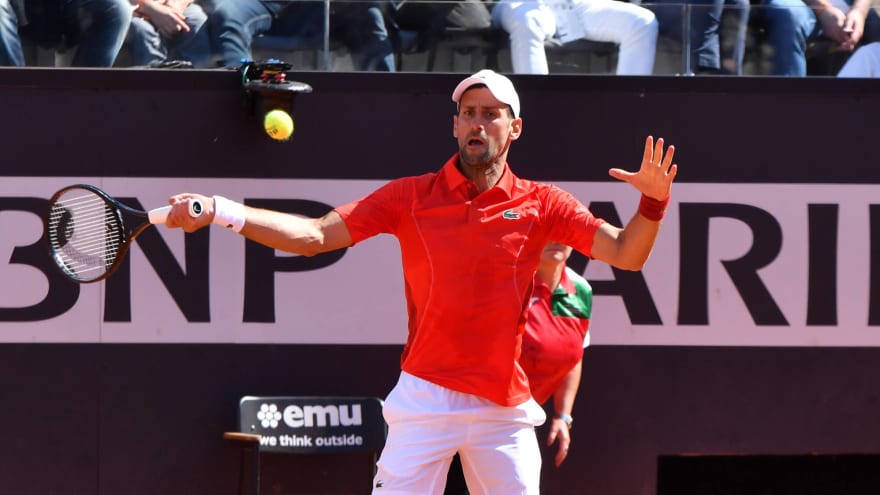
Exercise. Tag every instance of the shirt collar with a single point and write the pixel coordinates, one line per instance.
(454, 178)
(566, 286)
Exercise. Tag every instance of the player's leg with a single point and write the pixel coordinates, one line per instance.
(455, 482)
(501, 455)
(424, 433)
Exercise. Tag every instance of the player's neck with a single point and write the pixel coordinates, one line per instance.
(483, 175)
(486, 179)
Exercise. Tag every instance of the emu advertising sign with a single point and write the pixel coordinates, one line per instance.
(308, 425)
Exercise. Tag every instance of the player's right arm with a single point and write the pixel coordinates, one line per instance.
(300, 235)
(283, 231)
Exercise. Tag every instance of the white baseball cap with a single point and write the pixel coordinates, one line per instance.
(500, 87)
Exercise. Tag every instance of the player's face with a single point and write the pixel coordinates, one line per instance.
(484, 128)
(555, 252)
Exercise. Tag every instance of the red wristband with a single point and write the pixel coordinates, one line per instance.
(653, 209)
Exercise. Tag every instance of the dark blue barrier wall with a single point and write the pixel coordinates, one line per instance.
(147, 419)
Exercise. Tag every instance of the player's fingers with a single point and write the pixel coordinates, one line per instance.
(649, 150)
(620, 174)
(658, 152)
(175, 220)
(673, 171)
(667, 159)
(183, 198)
(184, 214)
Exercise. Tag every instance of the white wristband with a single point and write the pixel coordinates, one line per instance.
(228, 213)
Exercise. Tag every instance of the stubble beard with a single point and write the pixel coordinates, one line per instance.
(486, 160)
(481, 161)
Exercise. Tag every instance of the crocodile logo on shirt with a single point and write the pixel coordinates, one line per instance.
(510, 215)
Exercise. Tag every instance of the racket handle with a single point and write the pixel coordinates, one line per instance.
(159, 215)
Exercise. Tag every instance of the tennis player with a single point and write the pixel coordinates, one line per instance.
(471, 236)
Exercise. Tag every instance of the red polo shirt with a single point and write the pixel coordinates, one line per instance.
(555, 332)
(468, 264)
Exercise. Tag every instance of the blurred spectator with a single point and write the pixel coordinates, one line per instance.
(701, 19)
(864, 62)
(169, 31)
(11, 16)
(360, 25)
(531, 22)
(97, 28)
(791, 24)
(431, 19)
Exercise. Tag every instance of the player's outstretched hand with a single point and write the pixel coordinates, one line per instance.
(654, 178)
(180, 217)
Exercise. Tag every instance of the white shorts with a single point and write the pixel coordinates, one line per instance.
(428, 424)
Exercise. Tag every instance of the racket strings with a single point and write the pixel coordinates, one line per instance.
(85, 234)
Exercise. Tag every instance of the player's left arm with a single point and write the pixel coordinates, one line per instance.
(629, 247)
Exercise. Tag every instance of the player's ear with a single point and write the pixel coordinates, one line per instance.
(455, 126)
(515, 128)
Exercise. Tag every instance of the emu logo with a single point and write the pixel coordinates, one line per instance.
(310, 416)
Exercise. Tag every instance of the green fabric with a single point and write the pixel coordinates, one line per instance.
(576, 305)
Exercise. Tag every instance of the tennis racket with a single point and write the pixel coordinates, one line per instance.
(89, 232)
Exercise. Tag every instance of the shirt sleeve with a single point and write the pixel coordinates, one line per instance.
(377, 213)
(569, 221)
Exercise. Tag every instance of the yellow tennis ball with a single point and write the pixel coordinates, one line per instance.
(278, 124)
